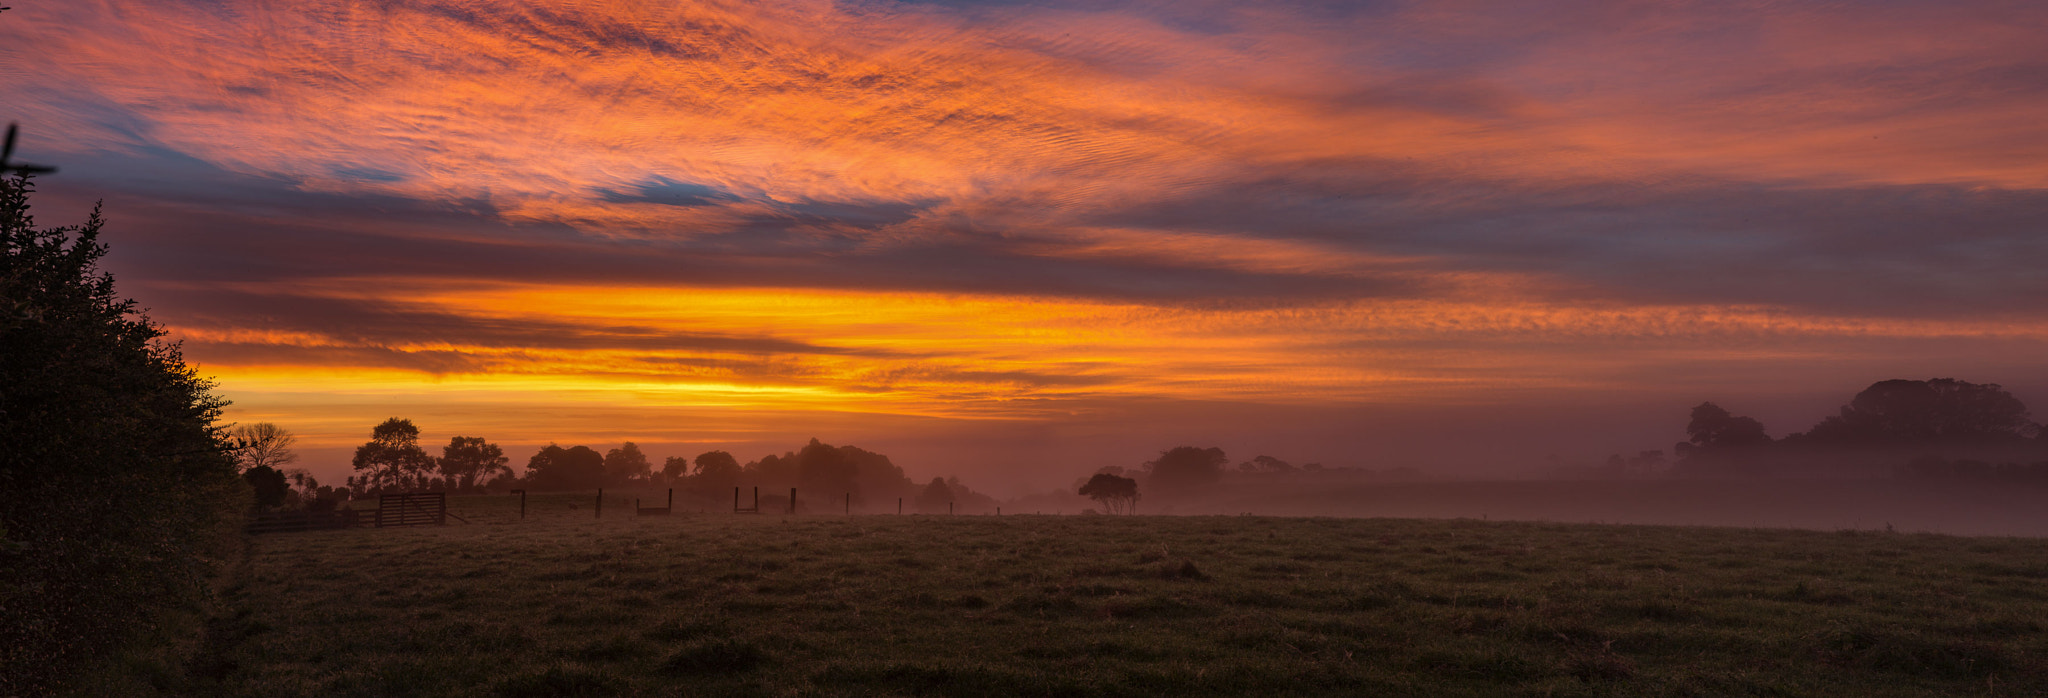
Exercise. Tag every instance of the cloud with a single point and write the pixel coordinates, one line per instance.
(1032, 206)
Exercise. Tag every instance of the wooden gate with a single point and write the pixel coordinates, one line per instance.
(416, 509)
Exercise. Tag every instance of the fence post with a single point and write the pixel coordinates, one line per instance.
(757, 499)
(671, 499)
(522, 503)
(949, 508)
(899, 506)
(735, 499)
(600, 502)
(792, 500)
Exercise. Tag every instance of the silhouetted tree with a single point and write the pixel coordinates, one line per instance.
(1719, 441)
(820, 467)
(1117, 494)
(264, 444)
(393, 459)
(715, 474)
(469, 461)
(1186, 469)
(268, 484)
(1271, 464)
(935, 497)
(1941, 411)
(674, 469)
(116, 488)
(557, 468)
(626, 464)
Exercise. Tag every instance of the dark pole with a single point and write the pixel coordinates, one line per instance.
(949, 508)
(757, 499)
(671, 499)
(522, 503)
(735, 499)
(600, 502)
(899, 506)
(792, 500)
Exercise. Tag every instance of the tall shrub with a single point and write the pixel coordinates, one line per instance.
(118, 493)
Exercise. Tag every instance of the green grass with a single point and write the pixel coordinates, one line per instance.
(716, 604)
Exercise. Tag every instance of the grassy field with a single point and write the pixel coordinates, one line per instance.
(717, 604)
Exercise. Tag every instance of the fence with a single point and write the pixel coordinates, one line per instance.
(416, 509)
(285, 521)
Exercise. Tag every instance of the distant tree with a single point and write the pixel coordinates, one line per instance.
(717, 464)
(1186, 469)
(263, 444)
(821, 467)
(1271, 464)
(1940, 411)
(269, 485)
(1117, 494)
(714, 475)
(626, 464)
(1719, 441)
(557, 468)
(1714, 428)
(936, 497)
(674, 468)
(393, 459)
(467, 462)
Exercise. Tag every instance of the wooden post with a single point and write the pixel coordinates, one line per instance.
(949, 508)
(792, 500)
(757, 499)
(671, 499)
(899, 506)
(522, 503)
(849, 504)
(600, 502)
(735, 499)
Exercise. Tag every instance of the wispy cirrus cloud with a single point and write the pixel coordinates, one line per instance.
(1262, 203)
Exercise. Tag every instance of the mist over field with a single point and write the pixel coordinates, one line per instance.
(1033, 347)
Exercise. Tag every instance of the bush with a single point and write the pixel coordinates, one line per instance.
(118, 495)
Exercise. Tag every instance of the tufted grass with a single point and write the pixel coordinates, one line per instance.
(716, 604)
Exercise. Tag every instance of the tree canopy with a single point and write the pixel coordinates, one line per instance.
(264, 445)
(1885, 426)
(392, 459)
(626, 464)
(1934, 411)
(1119, 495)
(557, 468)
(468, 462)
(1186, 469)
(116, 485)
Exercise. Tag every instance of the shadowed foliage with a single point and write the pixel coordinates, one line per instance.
(117, 492)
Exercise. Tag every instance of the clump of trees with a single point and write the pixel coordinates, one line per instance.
(393, 461)
(1904, 426)
(1116, 494)
(119, 494)
(1185, 470)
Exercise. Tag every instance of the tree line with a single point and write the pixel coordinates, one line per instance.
(1935, 428)
(394, 461)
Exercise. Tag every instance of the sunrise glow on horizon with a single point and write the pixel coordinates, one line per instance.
(929, 227)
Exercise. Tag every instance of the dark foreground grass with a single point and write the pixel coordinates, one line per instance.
(1036, 605)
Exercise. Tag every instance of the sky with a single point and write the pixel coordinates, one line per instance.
(1017, 241)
